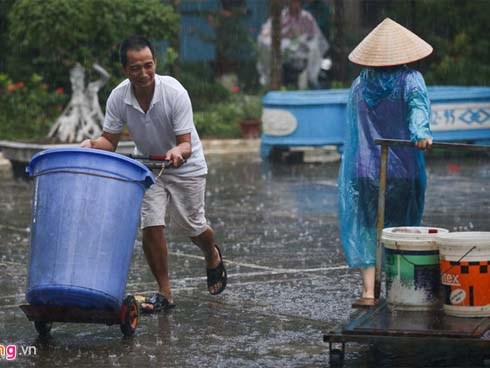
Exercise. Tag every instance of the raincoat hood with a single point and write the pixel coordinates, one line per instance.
(378, 83)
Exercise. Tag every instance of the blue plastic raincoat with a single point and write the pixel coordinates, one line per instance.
(390, 103)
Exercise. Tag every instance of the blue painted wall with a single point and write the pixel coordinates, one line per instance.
(196, 28)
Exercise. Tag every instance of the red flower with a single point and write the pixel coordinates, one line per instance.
(19, 85)
(60, 90)
(235, 89)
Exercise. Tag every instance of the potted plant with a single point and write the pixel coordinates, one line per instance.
(251, 111)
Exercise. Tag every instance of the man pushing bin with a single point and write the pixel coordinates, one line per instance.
(158, 113)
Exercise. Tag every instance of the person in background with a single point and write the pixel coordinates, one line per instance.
(387, 100)
(321, 12)
(302, 47)
(158, 114)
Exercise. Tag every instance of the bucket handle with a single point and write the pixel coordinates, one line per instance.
(64, 171)
(459, 260)
(442, 273)
(403, 256)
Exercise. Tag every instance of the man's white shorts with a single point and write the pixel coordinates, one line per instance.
(179, 198)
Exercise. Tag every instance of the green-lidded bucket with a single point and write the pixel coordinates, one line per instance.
(412, 267)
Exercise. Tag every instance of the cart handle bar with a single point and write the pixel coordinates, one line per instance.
(157, 165)
(149, 157)
(153, 162)
(163, 161)
(435, 145)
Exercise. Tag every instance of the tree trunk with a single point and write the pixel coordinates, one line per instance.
(339, 57)
(275, 67)
(82, 117)
(175, 43)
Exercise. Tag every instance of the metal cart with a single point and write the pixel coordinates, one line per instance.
(43, 316)
(377, 323)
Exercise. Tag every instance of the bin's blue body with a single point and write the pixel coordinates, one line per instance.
(85, 215)
(318, 118)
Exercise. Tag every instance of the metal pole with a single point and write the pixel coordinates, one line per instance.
(380, 220)
(436, 145)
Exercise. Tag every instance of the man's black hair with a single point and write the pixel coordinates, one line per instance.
(136, 43)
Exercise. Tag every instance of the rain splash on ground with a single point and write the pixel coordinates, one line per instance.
(288, 282)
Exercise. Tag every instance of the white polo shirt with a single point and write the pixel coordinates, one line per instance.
(154, 132)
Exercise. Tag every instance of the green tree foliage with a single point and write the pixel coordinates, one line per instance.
(5, 5)
(45, 38)
(458, 30)
(50, 36)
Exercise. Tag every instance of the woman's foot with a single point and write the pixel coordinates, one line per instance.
(368, 276)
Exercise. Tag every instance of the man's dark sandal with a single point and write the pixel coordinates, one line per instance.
(159, 303)
(217, 275)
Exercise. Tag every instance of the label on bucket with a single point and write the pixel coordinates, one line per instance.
(466, 284)
(412, 278)
(457, 296)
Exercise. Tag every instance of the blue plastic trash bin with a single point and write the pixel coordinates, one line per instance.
(85, 216)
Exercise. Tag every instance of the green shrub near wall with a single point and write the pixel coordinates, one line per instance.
(219, 121)
(222, 120)
(29, 108)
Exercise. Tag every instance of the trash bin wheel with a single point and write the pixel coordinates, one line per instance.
(129, 316)
(43, 327)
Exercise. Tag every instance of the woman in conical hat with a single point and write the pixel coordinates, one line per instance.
(387, 100)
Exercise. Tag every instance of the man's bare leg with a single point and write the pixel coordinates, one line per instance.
(206, 242)
(155, 249)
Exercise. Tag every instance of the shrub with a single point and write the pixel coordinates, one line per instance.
(218, 121)
(222, 120)
(28, 108)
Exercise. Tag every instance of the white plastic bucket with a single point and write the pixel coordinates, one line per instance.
(465, 273)
(412, 267)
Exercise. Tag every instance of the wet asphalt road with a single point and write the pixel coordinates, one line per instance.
(288, 282)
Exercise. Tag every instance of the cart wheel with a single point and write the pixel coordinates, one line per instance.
(129, 316)
(336, 358)
(43, 327)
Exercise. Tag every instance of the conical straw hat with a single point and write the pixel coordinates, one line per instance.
(390, 44)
